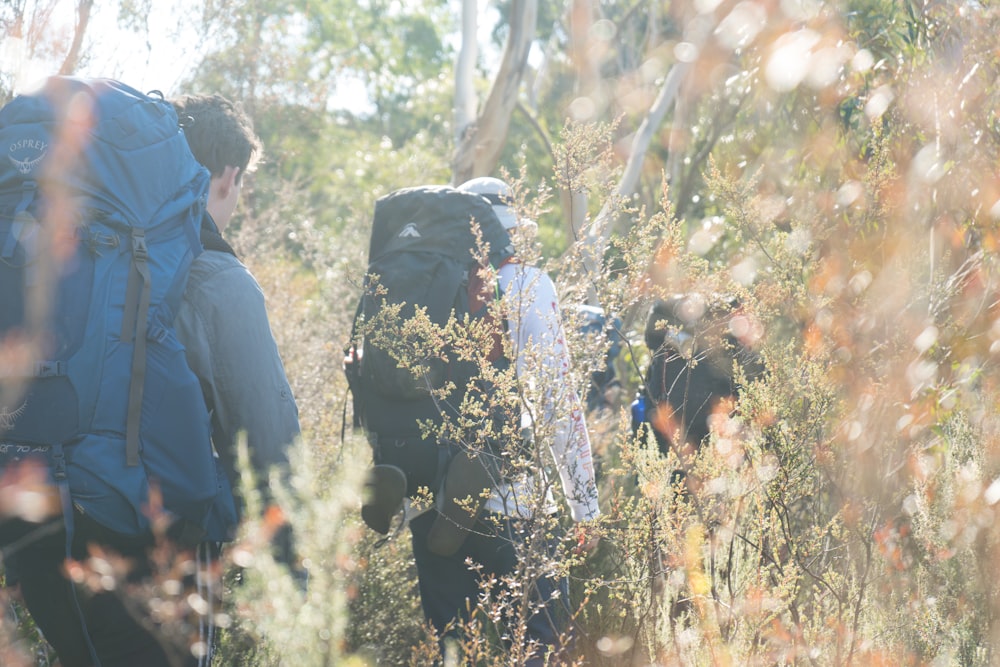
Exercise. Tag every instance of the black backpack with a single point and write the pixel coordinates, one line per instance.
(423, 258)
(690, 366)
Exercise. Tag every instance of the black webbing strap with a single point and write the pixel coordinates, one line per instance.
(353, 373)
(137, 297)
(66, 501)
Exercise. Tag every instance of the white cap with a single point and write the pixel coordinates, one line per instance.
(500, 196)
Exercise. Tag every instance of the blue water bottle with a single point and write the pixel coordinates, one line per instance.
(638, 410)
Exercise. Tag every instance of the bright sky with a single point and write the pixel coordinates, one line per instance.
(161, 56)
(157, 61)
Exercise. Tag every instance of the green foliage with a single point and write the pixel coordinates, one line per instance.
(21, 642)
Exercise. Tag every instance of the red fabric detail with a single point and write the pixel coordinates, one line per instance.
(480, 297)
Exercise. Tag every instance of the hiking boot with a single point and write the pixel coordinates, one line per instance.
(382, 496)
(467, 476)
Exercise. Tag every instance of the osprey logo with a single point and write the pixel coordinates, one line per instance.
(26, 154)
(8, 418)
(409, 232)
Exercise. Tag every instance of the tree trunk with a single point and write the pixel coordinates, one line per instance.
(465, 70)
(72, 59)
(482, 142)
(588, 82)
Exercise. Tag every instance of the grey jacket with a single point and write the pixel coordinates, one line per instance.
(222, 323)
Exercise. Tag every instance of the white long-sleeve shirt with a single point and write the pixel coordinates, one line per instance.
(543, 364)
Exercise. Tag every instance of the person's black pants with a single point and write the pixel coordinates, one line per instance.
(120, 628)
(449, 587)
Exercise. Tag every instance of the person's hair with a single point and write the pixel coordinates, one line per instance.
(219, 133)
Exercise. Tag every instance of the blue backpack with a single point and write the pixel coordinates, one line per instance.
(101, 204)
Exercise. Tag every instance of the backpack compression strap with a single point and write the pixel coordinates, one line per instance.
(137, 297)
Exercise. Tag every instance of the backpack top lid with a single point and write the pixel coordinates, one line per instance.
(102, 140)
(436, 219)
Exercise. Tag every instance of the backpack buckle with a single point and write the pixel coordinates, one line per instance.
(58, 459)
(48, 369)
(139, 249)
(157, 333)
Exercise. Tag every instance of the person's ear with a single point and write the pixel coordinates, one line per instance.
(229, 179)
(223, 194)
